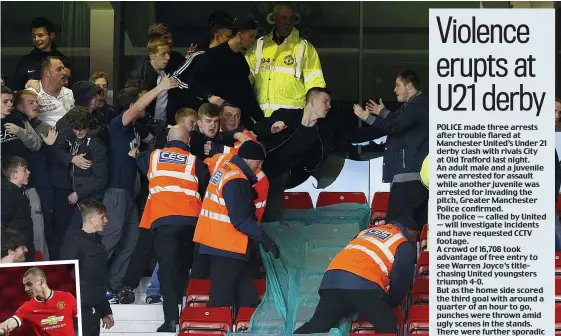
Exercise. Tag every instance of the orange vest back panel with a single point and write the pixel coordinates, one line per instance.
(371, 254)
(214, 228)
(173, 186)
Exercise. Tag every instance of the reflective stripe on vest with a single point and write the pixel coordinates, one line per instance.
(214, 228)
(185, 175)
(296, 71)
(371, 254)
(173, 186)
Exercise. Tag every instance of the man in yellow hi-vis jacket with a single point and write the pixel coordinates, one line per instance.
(283, 65)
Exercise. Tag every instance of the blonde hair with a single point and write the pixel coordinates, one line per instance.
(184, 113)
(154, 44)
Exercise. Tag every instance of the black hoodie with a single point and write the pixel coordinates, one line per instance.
(29, 66)
(92, 256)
(87, 183)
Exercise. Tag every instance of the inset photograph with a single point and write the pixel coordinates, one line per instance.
(39, 299)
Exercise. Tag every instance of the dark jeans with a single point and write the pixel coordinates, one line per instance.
(143, 251)
(334, 304)
(91, 321)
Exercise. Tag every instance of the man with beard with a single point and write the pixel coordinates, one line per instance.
(48, 312)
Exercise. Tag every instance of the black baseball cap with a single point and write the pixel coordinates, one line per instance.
(84, 91)
(244, 23)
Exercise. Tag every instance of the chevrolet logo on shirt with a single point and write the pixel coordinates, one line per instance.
(52, 320)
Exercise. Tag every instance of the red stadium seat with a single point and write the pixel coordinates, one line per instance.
(362, 327)
(557, 318)
(420, 292)
(380, 201)
(197, 293)
(261, 285)
(297, 201)
(327, 198)
(379, 208)
(418, 320)
(213, 321)
(243, 319)
(423, 265)
(423, 238)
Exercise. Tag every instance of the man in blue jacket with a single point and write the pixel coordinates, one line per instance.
(407, 145)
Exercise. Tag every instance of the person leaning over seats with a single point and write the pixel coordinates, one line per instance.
(371, 276)
(227, 223)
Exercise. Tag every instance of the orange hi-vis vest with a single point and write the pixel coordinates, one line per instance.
(371, 254)
(238, 144)
(173, 186)
(261, 187)
(214, 228)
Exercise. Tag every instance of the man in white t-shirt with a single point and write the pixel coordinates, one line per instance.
(53, 98)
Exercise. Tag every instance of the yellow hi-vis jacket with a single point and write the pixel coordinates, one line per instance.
(425, 173)
(282, 74)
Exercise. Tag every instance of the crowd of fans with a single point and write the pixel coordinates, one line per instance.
(72, 162)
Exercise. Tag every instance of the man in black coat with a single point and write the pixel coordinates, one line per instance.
(85, 246)
(16, 210)
(222, 73)
(297, 141)
(29, 66)
(79, 171)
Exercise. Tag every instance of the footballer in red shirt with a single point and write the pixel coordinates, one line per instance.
(48, 313)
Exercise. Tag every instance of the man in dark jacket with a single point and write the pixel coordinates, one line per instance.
(16, 210)
(222, 73)
(80, 169)
(297, 141)
(173, 227)
(159, 63)
(220, 32)
(29, 66)
(85, 246)
(407, 145)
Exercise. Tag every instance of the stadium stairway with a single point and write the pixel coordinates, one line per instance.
(139, 318)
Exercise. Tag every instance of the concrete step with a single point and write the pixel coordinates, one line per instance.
(137, 312)
(135, 327)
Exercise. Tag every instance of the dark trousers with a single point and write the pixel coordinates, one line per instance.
(409, 199)
(231, 283)
(201, 264)
(62, 216)
(91, 321)
(334, 304)
(143, 251)
(47, 205)
(173, 245)
(273, 210)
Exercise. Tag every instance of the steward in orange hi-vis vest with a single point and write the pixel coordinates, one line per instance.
(175, 185)
(370, 276)
(261, 187)
(226, 225)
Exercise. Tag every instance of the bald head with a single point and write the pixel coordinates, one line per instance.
(178, 133)
(36, 272)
